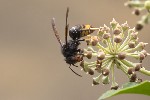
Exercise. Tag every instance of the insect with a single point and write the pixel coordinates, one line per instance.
(70, 49)
(78, 31)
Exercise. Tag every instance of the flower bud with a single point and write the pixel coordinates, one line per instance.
(88, 39)
(121, 55)
(117, 39)
(106, 28)
(113, 23)
(96, 80)
(94, 40)
(139, 26)
(116, 32)
(106, 35)
(133, 77)
(138, 67)
(105, 80)
(98, 65)
(147, 4)
(125, 26)
(91, 72)
(105, 72)
(130, 71)
(142, 45)
(134, 35)
(131, 31)
(144, 52)
(142, 56)
(131, 44)
(83, 63)
(93, 43)
(79, 58)
(89, 54)
(100, 32)
(100, 55)
(114, 86)
(136, 12)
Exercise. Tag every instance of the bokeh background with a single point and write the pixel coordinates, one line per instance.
(31, 64)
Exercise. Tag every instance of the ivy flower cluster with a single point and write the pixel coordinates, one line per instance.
(111, 47)
(139, 6)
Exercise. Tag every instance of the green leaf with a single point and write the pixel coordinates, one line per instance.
(129, 88)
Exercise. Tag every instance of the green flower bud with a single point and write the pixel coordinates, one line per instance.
(125, 27)
(84, 65)
(105, 80)
(100, 32)
(96, 80)
(113, 23)
(147, 4)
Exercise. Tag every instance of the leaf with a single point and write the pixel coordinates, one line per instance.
(129, 88)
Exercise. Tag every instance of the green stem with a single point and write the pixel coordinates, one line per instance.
(126, 41)
(112, 71)
(110, 45)
(135, 3)
(128, 63)
(101, 47)
(144, 71)
(123, 67)
(105, 63)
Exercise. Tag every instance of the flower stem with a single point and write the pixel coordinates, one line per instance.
(144, 71)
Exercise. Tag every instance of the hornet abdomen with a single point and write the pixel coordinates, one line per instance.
(78, 31)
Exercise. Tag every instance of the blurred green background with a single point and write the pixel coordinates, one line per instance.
(31, 64)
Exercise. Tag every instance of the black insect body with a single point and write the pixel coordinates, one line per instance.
(71, 52)
(70, 49)
(78, 31)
